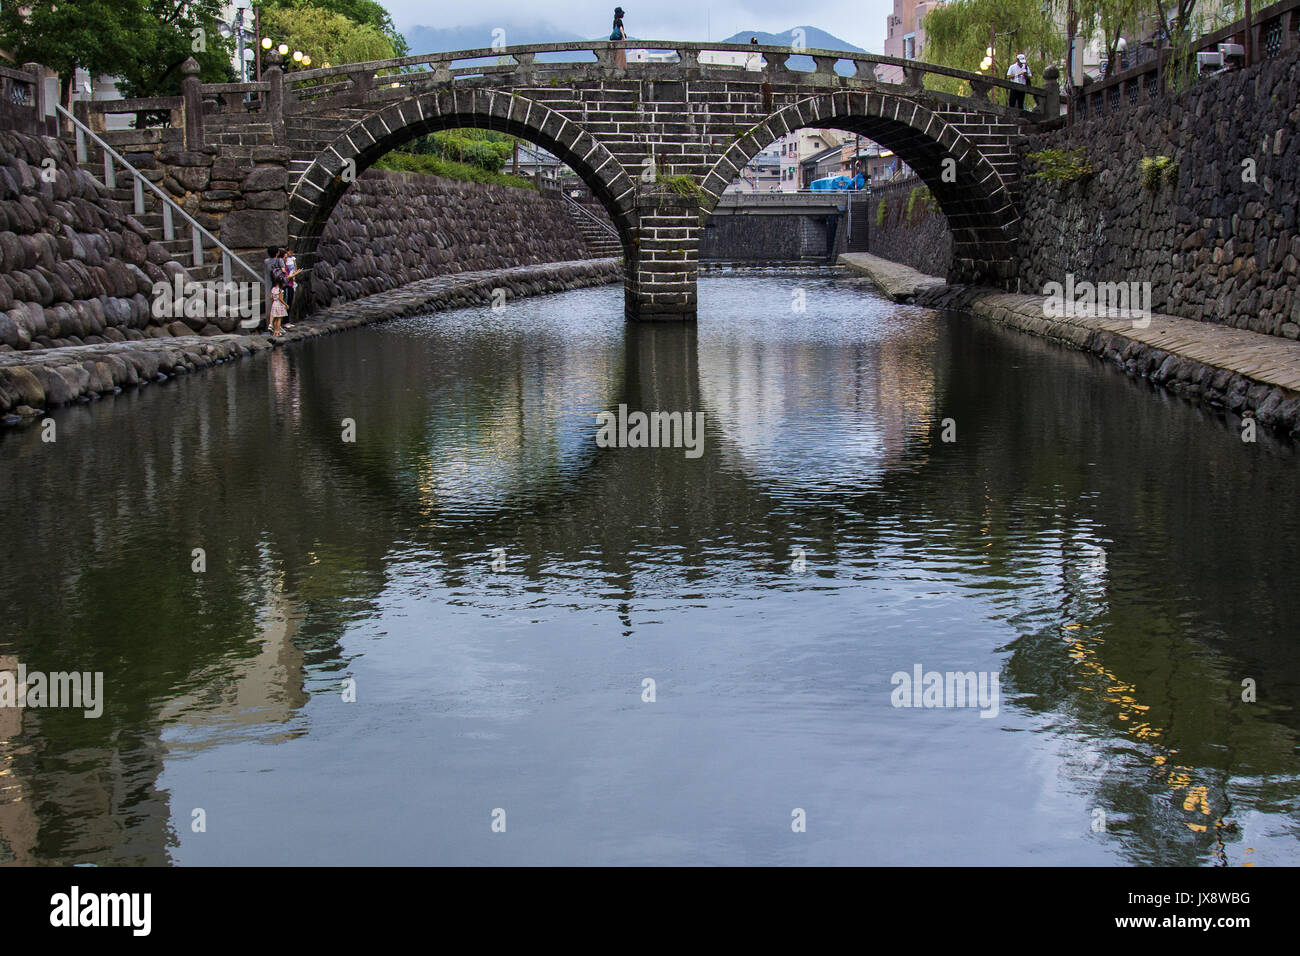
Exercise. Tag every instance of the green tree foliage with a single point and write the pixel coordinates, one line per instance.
(449, 169)
(324, 35)
(143, 42)
(485, 149)
(367, 13)
(957, 35)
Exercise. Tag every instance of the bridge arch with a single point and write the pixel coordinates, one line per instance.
(975, 197)
(318, 190)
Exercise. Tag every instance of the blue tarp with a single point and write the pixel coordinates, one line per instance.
(831, 184)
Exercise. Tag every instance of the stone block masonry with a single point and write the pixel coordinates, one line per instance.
(35, 381)
(911, 230)
(394, 228)
(1222, 243)
(73, 269)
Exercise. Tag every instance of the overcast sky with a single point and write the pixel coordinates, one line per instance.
(861, 22)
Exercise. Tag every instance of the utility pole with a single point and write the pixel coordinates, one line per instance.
(1069, 52)
(1249, 46)
(239, 29)
(257, 29)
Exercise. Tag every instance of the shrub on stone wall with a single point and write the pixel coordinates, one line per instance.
(1061, 165)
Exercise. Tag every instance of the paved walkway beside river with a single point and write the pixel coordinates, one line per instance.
(1241, 370)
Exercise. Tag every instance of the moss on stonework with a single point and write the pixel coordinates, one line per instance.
(1061, 165)
(683, 186)
(1155, 170)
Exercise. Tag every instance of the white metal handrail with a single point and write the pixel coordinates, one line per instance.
(591, 215)
(169, 207)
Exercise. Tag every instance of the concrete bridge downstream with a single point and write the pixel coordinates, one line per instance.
(657, 142)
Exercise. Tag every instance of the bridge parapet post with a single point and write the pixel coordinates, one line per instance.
(1050, 107)
(825, 65)
(527, 66)
(274, 76)
(363, 81)
(192, 93)
(40, 106)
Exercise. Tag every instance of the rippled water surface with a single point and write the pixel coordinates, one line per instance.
(1119, 559)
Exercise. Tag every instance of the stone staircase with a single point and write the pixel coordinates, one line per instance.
(181, 246)
(600, 238)
(137, 195)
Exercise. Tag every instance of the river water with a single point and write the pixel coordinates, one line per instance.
(399, 646)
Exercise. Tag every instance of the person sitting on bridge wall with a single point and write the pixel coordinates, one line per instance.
(1018, 72)
(620, 56)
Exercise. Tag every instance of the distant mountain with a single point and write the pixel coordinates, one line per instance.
(813, 39)
(424, 39)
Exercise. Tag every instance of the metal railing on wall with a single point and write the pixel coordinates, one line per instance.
(606, 227)
(1273, 30)
(170, 209)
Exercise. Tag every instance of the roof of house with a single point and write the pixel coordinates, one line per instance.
(817, 157)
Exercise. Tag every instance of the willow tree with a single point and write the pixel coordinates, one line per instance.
(325, 36)
(959, 33)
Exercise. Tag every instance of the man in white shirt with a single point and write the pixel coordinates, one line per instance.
(1018, 72)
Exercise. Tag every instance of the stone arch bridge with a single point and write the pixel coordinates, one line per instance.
(657, 140)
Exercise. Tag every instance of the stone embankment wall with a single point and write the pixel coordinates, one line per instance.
(392, 228)
(36, 380)
(911, 230)
(769, 238)
(1222, 244)
(73, 270)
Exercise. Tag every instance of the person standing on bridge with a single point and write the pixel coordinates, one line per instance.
(618, 33)
(1018, 72)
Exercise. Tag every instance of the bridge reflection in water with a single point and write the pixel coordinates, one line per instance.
(1059, 540)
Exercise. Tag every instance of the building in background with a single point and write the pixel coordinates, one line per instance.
(777, 168)
(905, 35)
(535, 163)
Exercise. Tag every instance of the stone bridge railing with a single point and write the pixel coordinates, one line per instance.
(23, 105)
(305, 92)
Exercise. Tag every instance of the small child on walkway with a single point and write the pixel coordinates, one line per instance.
(278, 308)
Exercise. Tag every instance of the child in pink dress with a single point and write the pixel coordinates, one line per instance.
(278, 309)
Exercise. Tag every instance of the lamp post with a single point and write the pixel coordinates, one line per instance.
(240, 7)
(236, 30)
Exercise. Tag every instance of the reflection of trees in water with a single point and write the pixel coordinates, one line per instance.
(301, 532)
(1146, 653)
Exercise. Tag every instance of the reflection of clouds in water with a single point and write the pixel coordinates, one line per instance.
(538, 428)
(535, 423)
(817, 400)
